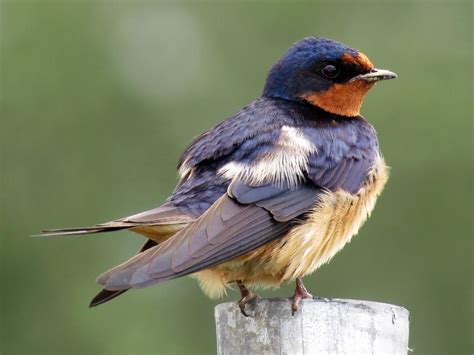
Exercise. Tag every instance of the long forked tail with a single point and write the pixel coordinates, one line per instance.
(106, 295)
(157, 224)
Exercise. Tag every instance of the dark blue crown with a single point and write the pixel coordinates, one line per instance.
(289, 75)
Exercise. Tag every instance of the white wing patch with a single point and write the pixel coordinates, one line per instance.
(287, 162)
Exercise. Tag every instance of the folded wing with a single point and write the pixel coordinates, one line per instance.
(238, 222)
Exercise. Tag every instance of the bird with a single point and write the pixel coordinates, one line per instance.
(271, 193)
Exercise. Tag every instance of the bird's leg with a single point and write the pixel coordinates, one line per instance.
(300, 293)
(247, 297)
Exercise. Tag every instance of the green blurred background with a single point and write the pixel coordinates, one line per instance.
(99, 99)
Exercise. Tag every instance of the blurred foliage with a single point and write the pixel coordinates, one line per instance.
(99, 99)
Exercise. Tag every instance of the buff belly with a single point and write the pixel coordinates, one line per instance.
(334, 220)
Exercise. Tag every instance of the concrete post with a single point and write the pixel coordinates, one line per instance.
(321, 326)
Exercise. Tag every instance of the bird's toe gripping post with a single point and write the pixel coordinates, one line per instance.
(300, 293)
(247, 297)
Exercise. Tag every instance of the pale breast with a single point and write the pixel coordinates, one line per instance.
(331, 224)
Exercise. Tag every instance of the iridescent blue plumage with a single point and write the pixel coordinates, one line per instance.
(253, 133)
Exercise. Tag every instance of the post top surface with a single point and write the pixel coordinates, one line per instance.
(321, 302)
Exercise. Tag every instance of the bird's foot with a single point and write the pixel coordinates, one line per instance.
(247, 297)
(300, 293)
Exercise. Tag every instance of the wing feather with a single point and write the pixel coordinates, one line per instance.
(238, 222)
(106, 295)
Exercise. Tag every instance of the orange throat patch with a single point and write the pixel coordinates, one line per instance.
(342, 99)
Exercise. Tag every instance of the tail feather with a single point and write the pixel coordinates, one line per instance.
(104, 296)
(157, 224)
(78, 231)
(165, 215)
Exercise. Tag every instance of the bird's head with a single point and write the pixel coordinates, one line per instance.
(326, 74)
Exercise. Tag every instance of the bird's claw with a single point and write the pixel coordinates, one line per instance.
(247, 299)
(300, 294)
(296, 301)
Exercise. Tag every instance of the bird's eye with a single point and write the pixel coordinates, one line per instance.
(330, 71)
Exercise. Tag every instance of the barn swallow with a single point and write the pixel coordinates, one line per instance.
(271, 193)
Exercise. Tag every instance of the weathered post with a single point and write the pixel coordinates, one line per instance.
(321, 326)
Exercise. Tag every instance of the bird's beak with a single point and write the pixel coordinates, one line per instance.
(376, 75)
